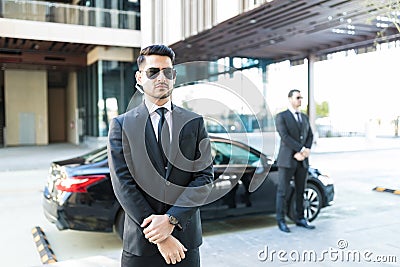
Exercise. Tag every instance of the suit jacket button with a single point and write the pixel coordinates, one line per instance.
(167, 182)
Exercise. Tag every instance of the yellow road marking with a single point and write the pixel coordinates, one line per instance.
(379, 189)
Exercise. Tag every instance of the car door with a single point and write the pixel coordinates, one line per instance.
(235, 165)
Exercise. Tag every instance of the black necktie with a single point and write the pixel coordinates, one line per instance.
(299, 119)
(163, 135)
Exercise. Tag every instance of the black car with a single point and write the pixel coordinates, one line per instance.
(79, 196)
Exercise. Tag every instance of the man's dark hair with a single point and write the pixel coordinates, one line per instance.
(291, 92)
(161, 50)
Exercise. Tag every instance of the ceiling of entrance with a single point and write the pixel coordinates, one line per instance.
(293, 29)
(25, 53)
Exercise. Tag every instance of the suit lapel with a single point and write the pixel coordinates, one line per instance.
(304, 124)
(178, 123)
(290, 116)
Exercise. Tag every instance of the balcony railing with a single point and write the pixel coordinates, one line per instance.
(69, 14)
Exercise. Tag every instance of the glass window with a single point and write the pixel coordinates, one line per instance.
(117, 89)
(105, 89)
(227, 153)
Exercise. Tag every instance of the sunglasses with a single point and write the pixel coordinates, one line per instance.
(299, 97)
(153, 73)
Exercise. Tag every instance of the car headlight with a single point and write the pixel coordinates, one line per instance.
(325, 179)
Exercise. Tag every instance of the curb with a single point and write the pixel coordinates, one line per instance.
(382, 189)
(42, 244)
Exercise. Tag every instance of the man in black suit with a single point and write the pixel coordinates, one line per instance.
(161, 170)
(296, 139)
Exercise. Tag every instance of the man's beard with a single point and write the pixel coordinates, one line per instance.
(166, 95)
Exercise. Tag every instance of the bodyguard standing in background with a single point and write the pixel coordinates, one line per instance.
(296, 139)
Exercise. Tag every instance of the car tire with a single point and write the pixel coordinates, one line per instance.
(119, 223)
(312, 203)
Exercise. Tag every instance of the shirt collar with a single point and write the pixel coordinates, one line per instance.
(293, 110)
(151, 107)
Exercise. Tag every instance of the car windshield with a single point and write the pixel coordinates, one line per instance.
(225, 153)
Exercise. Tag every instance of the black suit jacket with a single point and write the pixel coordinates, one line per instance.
(143, 187)
(293, 139)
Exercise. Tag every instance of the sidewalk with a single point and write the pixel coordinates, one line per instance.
(347, 144)
(39, 157)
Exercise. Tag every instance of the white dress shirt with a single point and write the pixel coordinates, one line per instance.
(291, 109)
(155, 118)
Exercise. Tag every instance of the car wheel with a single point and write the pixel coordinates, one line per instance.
(312, 203)
(119, 223)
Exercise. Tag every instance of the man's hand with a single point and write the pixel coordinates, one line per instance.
(299, 156)
(157, 228)
(306, 152)
(172, 250)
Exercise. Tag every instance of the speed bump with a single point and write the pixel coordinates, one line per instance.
(382, 189)
(42, 244)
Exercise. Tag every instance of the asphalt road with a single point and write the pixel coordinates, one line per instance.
(363, 220)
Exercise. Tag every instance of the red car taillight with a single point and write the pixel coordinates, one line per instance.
(78, 184)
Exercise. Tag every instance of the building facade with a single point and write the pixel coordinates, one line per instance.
(67, 67)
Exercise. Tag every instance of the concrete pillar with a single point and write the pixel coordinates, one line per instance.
(311, 100)
(72, 109)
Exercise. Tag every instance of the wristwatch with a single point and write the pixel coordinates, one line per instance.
(174, 221)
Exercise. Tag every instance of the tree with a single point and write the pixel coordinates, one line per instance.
(322, 110)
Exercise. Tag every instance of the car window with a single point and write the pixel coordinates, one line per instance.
(227, 153)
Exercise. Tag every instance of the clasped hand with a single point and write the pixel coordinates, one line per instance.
(172, 250)
(300, 156)
(158, 231)
(157, 228)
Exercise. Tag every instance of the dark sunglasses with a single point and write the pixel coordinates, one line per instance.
(153, 73)
(299, 97)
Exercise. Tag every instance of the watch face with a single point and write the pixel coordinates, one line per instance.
(173, 220)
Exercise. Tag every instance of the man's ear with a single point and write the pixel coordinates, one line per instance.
(138, 76)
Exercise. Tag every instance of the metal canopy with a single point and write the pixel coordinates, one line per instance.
(294, 29)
